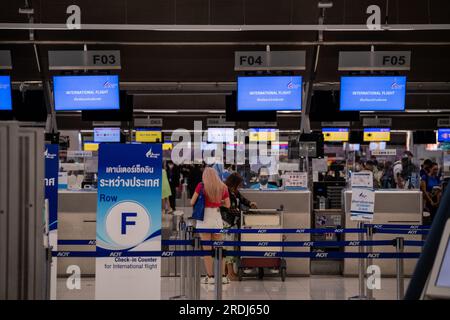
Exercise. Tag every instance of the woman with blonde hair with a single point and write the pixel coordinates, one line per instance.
(216, 195)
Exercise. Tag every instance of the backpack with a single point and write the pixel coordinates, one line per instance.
(198, 212)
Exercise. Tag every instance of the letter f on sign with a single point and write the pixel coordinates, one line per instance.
(126, 222)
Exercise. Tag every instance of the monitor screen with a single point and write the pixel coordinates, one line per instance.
(263, 134)
(5, 93)
(219, 135)
(354, 147)
(443, 278)
(86, 92)
(374, 146)
(106, 134)
(148, 135)
(377, 93)
(279, 93)
(443, 135)
(335, 134)
(377, 134)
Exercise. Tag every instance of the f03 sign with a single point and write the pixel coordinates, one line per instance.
(84, 60)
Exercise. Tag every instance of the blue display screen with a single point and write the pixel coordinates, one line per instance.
(443, 135)
(275, 93)
(106, 134)
(5, 93)
(86, 92)
(373, 93)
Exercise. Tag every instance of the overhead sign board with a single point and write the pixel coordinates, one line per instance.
(374, 60)
(219, 122)
(84, 60)
(5, 60)
(269, 60)
(148, 122)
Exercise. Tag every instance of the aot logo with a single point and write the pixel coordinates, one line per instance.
(152, 155)
(412, 232)
(373, 255)
(396, 86)
(308, 244)
(291, 85)
(353, 243)
(128, 224)
(109, 85)
(321, 255)
(167, 254)
(263, 244)
(270, 254)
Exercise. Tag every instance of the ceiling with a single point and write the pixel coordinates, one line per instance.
(199, 62)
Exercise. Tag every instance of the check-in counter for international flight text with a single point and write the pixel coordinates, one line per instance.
(391, 207)
(297, 214)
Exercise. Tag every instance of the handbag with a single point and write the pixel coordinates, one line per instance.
(198, 212)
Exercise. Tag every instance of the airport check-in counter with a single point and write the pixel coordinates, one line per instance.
(77, 221)
(391, 207)
(77, 215)
(297, 214)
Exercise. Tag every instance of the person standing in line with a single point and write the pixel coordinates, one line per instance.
(216, 196)
(231, 216)
(430, 186)
(173, 174)
(165, 193)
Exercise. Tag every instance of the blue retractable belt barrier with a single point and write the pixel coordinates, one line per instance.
(266, 254)
(411, 243)
(278, 231)
(397, 226)
(401, 231)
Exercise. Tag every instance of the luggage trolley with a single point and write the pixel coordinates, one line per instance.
(262, 219)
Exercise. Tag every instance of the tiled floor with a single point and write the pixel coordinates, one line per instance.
(301, 288)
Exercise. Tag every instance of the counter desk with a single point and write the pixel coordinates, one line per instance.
(391, 207)
(297, 214)
(77, 216)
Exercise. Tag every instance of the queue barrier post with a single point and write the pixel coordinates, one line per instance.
(190, 266)
(361, 268)
(197, 277)
(183, 265)
(369, 236)
(218, 251)
(399, 246)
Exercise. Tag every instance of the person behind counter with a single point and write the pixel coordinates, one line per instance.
(231, 216)
(370, 166)
(430, 186)
(216, 196)
(263, 180)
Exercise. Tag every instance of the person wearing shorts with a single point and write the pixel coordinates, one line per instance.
(216, 196)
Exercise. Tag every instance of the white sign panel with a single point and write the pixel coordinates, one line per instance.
(84, 60)
(79, 154)
(296, 180)
(385, 152)
(362, 179)
(269, 60)
(374, 60)
(363, 204)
